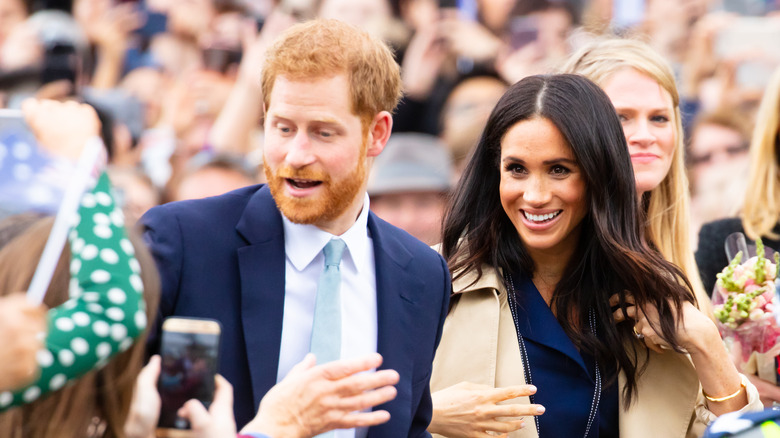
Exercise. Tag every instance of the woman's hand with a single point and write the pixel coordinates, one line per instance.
(768, 392)
(145, 407)
(217, 421)
(471, 410)
(21, 324)
(697, 335)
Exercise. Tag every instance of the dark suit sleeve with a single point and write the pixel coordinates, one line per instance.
(162, 234)
(424, 413)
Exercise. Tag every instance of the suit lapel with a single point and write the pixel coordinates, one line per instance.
(395, 307)
(262, 266)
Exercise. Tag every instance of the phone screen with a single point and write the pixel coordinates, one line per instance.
(189, 350)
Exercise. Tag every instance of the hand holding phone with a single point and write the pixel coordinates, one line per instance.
(189, 353)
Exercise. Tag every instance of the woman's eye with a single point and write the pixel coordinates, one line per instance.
(559, 170)
(660, 119)
(515, 169)
(622, 117)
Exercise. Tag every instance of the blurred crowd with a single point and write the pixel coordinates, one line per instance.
(176, 83)
(176, 86)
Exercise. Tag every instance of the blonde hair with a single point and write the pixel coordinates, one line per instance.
(667, 206)
(323, 48)
(762, 199)
(98, 403)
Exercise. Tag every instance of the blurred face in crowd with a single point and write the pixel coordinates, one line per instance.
(315, 153)
(466, 112)
(495, 13)
(418, 213)
(716, 153)
(190, 18)
(542, 188)
(555, 25)
(137, 192)
(419, 13)
(361, 13)
(210, 181)
(646, 112)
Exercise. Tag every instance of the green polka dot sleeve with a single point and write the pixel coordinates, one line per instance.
(105, 312)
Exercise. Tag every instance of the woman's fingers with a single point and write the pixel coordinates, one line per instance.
(504, 427)
(515, 410)
(510, 392)
(621, 315)
(614, 300)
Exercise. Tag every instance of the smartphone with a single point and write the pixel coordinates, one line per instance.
(189, 349)
(60, 62)
(523, 30)
(219, 59)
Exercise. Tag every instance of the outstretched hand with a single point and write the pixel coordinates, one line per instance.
(472, 410)
(62, 128)
(315, 399)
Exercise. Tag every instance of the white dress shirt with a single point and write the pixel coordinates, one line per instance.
(304, 262)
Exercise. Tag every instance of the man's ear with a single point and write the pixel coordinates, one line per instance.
(379, 132)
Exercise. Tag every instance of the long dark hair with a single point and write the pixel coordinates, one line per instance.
(612, 256)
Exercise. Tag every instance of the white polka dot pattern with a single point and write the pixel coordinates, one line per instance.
(31, 394)
(106, 312)
(57, 382)
(6, 398)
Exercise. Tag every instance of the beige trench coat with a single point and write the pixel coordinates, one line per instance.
(479, 345)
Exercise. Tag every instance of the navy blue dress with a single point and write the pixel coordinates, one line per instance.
(564, 378)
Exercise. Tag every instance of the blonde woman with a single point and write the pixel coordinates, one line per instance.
(758, 218)
(640, 84)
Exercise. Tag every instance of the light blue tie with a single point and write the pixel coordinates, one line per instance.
(326, 328)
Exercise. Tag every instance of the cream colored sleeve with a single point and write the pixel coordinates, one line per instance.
(705, 416)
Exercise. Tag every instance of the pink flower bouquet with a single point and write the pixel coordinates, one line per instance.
(746, 306)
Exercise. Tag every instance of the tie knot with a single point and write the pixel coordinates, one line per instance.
(333, 252)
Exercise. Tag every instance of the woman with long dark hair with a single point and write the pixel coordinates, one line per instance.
(556, 287)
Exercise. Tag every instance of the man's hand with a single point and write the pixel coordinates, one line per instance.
(22, 325)
(315, 399)
(62, 128)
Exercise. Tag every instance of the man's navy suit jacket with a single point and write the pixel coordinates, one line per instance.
(223, 258)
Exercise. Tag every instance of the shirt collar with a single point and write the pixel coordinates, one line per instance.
(302, 242)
